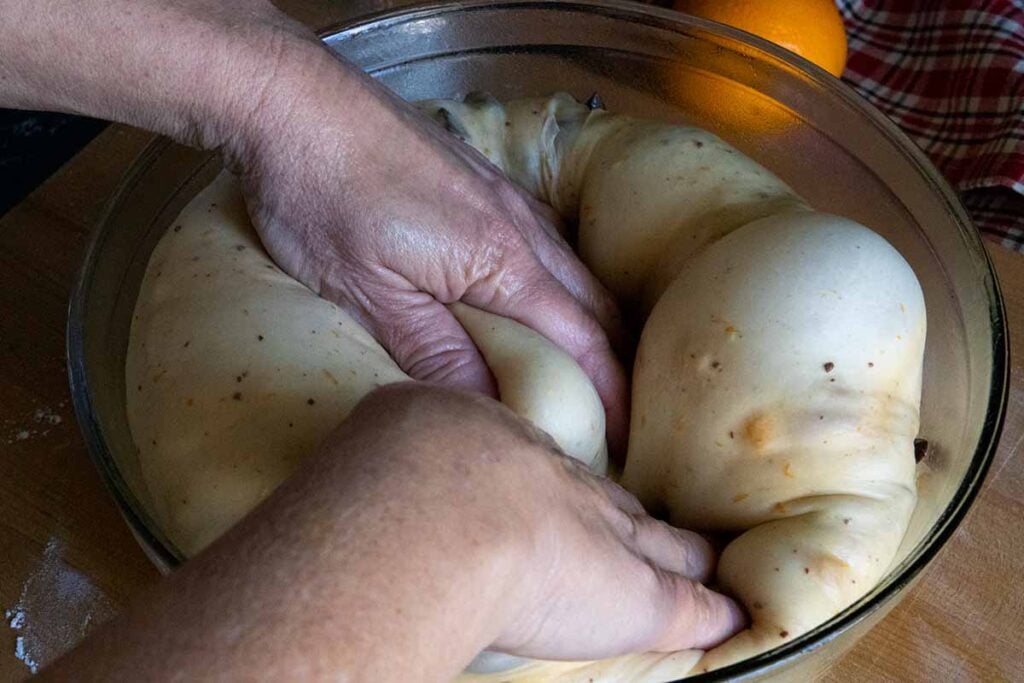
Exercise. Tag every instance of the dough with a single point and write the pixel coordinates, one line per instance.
(794, 412)
(235, 372)
(776, 389)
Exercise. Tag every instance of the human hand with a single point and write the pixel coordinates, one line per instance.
(432, 524)
(575, 569)
(352, 191)
(364, 200)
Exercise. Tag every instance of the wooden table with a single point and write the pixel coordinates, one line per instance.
(59, 529)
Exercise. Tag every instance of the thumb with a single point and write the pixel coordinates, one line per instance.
(427, 342)
(696, 617)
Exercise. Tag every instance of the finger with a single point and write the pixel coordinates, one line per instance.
(559, 259)
(549, 219)
(533, 297)
(620, 497)
(675, 550)
(694, 616)
(427, 342)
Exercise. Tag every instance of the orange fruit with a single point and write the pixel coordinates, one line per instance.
(811, 28)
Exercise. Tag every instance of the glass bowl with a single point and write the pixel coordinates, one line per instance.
(803, 124)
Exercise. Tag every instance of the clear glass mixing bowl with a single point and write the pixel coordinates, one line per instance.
(794, 118)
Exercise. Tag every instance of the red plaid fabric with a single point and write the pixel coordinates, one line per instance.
(951, 75)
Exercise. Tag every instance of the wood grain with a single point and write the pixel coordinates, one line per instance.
(49, 491)
(963, 621)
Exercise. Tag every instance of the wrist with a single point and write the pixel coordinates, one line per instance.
(301, 102)
(246, 78)
(182, 68)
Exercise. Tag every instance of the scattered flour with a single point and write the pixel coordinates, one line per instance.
(44, 420)
(17, 618)
(47, 416)
(57, 607)
(58, 604)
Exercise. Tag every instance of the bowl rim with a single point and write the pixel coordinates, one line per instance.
(781, 656)
(158, 549)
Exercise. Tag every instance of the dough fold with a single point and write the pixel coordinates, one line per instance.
(777, 385)
(776, 390)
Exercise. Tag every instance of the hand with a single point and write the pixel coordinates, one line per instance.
(431, 525)
(574, 567)
(352, 191)
(368, 203)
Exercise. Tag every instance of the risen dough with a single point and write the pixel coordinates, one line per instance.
(235, 372)
(793, 414)
(776, 390)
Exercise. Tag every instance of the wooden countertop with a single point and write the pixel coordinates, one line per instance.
(65, 553)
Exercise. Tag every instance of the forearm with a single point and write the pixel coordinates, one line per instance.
(189, 69)
(337, 576)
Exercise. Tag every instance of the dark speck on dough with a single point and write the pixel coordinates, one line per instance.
(185, 345)
(237, 395)
(807, 570)
(239, 247)
(783, 634)
(310, 401)
(828, 366)
(698, 144)
(716, 365)
(177, 228)
(259, 337)
(871, 365)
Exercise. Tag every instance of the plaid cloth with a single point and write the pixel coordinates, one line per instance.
(951, 75)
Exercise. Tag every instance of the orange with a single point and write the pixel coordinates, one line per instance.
(811, 28)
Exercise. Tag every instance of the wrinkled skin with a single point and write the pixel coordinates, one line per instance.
(514, 544)
(354, 193)
(395, 230)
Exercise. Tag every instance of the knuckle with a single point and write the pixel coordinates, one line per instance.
(626, 525)
(654, 583)
(426, 361)
(688, 560)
